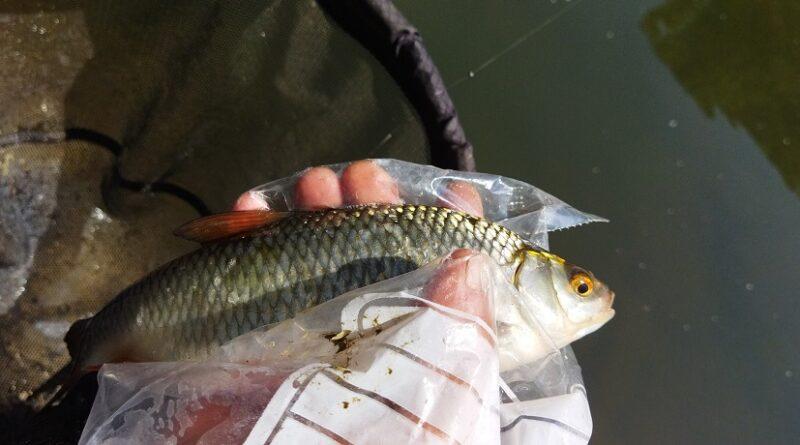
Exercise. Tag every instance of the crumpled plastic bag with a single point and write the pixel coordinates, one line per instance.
(386, 363)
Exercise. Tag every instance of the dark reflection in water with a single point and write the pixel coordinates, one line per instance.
(740, 58)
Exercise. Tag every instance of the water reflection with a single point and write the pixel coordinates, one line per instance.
(738, 57)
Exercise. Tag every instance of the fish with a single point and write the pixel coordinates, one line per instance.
(259, 267)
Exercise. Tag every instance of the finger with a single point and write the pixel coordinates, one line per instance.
(318, 188)
(203, 415)
(365, 182)
(461, 195)
(462, 284)
(231, 402)
(250, 201)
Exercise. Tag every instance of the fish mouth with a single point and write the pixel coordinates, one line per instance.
(603, 318)
(596, 322)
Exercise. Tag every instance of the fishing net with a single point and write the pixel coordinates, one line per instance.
(207, 98)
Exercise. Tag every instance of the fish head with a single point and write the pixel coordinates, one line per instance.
(570, 301)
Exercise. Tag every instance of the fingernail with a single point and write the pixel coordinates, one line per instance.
(250, 201)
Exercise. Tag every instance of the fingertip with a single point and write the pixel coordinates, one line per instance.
(460, 283)
(462, 195)
(459, 253)
(318, 188)
(365, 182)
(250, 201)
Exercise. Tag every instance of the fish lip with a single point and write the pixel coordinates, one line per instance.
(595, 323)
(605, 317)
(600, 320)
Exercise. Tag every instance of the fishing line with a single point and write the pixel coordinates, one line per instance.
(490, 61)
(519, 41)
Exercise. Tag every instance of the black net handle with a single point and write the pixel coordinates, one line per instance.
(382, 29)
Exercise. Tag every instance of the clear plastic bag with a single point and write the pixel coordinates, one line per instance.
(417, 358)
(517, 205)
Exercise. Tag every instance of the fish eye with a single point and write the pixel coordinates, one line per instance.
(581, 284)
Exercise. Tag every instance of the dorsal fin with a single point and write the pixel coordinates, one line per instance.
(226, 225)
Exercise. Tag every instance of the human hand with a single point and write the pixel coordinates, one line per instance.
(460, 281)
(362, 182)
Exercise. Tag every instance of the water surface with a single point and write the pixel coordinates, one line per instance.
(677, 120)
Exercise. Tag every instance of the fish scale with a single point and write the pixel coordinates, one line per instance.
(191, 305)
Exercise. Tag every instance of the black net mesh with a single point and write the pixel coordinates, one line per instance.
(122, 120)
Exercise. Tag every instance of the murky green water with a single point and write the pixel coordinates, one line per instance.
(679, 121)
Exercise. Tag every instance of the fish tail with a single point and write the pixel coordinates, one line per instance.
(75, 337)
(57, 386)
